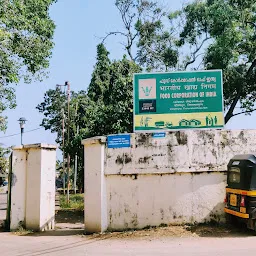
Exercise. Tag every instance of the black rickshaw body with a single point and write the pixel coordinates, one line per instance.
(241, 189)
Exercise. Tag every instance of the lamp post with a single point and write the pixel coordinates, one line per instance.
(68, 124)
(22, 122)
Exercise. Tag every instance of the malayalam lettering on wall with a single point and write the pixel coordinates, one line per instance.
(178, 100)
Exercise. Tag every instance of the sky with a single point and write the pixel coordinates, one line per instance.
(79, 26)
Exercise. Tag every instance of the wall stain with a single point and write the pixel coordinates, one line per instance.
(162, 213)
(182, 138)
(126, 208)
(123, 159)
(242, 137)
(214, 153)
(127, 158)
(142, 139)
(134, 221)
(110, 216)
(144, 159)
(174, 172)
(119, 160)
(14, 179)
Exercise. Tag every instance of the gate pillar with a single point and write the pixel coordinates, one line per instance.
(32, 195)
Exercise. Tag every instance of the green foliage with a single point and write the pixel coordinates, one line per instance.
(4, 152)
(114, 113)
(26, 41)
(100, 76)
(54, 108)
(231, 27)
(107, 108)
(76, 202)
(205, 34)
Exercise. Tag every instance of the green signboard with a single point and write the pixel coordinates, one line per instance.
(178, 100)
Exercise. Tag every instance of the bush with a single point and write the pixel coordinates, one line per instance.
(76, 202)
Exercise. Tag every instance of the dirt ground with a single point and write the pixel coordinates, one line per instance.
(73, 220)
(217, 231)
(69, 216)
(70, 222)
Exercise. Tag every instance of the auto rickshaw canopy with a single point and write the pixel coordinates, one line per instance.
(242, 172)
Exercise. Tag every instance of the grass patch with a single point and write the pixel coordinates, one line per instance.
(76, 202)
(22, 232)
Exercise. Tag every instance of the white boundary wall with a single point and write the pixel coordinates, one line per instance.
(173, 180)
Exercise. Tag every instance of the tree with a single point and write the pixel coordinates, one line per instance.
(105, 109)
(135, 14)
(100, 76)
(26, 41)
(114, 114)
(54, 108)
(229, 26)
(205, 34)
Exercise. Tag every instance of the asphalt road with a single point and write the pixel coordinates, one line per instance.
(201, 241)
(66, 245)
(3, 205)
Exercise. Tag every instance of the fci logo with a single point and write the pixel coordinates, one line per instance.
(147, 89)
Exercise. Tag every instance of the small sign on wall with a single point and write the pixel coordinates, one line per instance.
(119, 141)
(158, 135)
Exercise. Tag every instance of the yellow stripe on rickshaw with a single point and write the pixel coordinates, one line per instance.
(238, 214)
(241, 192)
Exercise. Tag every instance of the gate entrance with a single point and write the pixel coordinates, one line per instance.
(69, 217)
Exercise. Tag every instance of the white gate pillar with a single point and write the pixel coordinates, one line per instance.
(95, 185)
(33, 187)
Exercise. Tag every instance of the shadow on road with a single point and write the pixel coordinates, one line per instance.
(67, 223)
(219, 231)
(61, 232)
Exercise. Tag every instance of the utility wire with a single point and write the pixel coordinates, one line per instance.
(7, 136)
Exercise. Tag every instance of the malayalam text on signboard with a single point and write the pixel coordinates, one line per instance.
(178, 100)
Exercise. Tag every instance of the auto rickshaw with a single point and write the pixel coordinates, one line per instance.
(241, 190)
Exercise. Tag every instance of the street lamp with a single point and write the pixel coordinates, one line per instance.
(22, 122)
